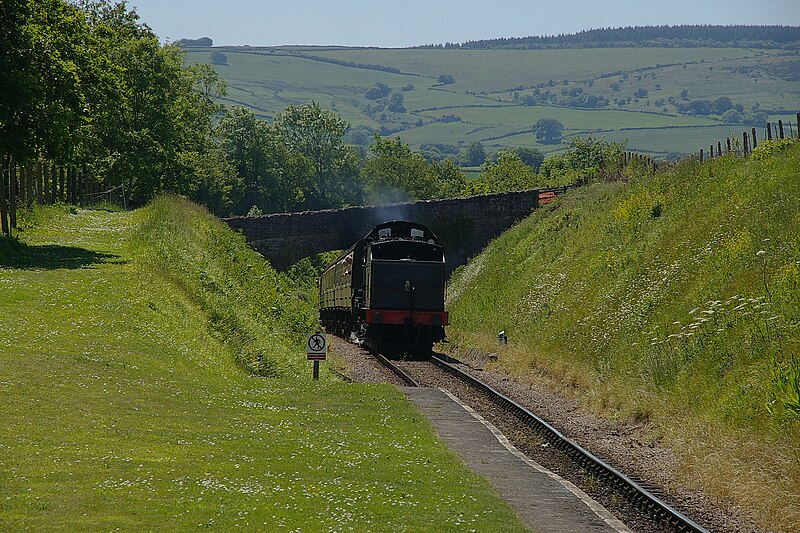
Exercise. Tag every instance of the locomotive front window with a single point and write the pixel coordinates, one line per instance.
(417, 233)
(405, 250)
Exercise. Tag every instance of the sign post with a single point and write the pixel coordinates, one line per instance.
(316, 350)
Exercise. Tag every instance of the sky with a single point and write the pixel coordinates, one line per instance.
(400, 23)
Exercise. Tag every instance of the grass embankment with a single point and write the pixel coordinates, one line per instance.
(128, 343)
(673, 299)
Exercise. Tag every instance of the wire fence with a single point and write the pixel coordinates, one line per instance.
(750, 140)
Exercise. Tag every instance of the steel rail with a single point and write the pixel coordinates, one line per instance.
(581, 456)
(402, 374)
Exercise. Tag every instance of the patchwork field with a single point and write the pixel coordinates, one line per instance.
(490, 99)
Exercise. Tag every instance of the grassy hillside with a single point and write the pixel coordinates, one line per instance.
(671, 299)
(129, 348)
(491, 84)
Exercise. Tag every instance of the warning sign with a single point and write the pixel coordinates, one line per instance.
(316, 347)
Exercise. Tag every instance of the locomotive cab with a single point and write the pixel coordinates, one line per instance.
(404, 288)
(388, 289)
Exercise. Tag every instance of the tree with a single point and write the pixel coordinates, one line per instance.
(218, 58)
(548, 130)
(722, 104)
(475, 155)
(202, 41)
(530, 156)
(319, 135)
(596, 156)
(377, 91)
(732, 116)
(151, 130)
(86, 82)
(446, 79)
(700, 107)
(52, 70)
(756, 118)
(396, 173)
(584, 158)
(396, 103)
(641, 92)
(509, 173)
(449, 179)
(273, 178)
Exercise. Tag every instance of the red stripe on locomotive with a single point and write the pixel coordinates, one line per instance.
(423, 318)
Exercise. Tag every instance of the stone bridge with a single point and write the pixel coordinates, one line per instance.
(464, 226)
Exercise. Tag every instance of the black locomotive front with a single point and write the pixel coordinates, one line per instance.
(387, 290)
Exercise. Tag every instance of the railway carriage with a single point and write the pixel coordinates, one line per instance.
(387, 290)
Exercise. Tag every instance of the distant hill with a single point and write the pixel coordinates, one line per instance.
(661, 100)
(192, 43)
(786, 37)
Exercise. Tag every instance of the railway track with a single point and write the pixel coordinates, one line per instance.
(627, 498)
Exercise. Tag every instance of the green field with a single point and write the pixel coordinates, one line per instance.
(124, 344)
(490, 83)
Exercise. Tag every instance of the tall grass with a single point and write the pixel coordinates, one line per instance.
(673, 299)
(248, 304)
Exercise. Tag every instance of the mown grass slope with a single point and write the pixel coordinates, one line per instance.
(672, 298)
(130, 348)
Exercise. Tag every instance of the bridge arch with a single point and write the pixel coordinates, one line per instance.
(464, 225)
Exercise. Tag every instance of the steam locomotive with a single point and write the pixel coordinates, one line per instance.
(387, 290)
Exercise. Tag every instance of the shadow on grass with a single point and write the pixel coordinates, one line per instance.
(14, 254)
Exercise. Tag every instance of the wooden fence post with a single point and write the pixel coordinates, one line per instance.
(71, 186)
(755, 142)
(53, 183)
(744, 143)
(21, 184)
(769, 132)
(84, 185)
(701, 155)
(37, 183)
(28, 184)
(62, 182)
(780, 128)
(798, 125)
(719, 148)
(728, 142)
(12, 197)
(3, 212)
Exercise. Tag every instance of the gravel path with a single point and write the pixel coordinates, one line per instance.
(628, 447)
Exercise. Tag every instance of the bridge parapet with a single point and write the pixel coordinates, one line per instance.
(464, 225)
